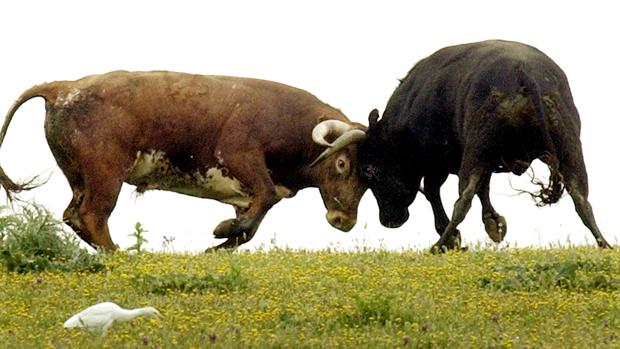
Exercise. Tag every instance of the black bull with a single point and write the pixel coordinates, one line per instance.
(473, 110)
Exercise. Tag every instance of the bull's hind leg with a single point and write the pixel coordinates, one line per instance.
(494, 223)
(88, 212)
(94, 212)
(94, 197)
(575, 176)
(71, 215)
(74, 213)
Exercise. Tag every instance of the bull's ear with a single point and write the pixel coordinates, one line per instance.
(373, 117)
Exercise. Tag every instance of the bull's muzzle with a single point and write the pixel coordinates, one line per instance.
(393, 218)
(340, 220)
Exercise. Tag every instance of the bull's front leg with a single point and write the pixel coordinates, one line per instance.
(251, 170)
(245, 225)
(469, 184)
(236, 240)
(432, 191)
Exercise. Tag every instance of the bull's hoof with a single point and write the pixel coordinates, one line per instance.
(222, 247)
(438, 248)
(227, 229)
(232, 228)
(496, 227)
(453, 243)
(211, 249)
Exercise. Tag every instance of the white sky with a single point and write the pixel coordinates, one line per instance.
(350, 55)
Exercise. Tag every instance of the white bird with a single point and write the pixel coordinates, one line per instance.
(101, 316)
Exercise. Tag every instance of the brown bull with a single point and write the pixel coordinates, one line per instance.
(245, 142)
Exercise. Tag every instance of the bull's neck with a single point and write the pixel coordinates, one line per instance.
(305, 177)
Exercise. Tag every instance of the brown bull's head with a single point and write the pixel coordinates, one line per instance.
(336, 169)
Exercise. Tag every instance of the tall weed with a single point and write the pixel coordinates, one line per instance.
(32, 240)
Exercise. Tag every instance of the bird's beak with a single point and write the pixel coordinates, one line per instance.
(158, 315)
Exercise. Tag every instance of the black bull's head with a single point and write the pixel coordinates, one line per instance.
(384, 177)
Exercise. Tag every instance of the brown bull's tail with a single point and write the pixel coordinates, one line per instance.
(551, 193)
(9, 186)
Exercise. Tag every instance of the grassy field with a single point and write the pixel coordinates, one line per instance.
(525, 298)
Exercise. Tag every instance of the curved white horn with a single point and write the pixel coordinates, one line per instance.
(324, 128)
(345, 139)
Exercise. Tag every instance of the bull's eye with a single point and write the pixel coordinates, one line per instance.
(368, 172)
(342, 165)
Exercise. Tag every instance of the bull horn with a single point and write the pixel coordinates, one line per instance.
(324, 128)
(345, 139)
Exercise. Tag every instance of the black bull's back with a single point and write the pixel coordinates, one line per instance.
(472, 110)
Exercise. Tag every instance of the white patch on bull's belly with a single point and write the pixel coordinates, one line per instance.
(153, 170)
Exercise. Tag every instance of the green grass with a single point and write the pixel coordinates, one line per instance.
(31, 240)
(522, 298)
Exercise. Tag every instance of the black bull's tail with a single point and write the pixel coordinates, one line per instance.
(9, 185)
(551, 193)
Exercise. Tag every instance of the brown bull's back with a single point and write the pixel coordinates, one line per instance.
(182, 113)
